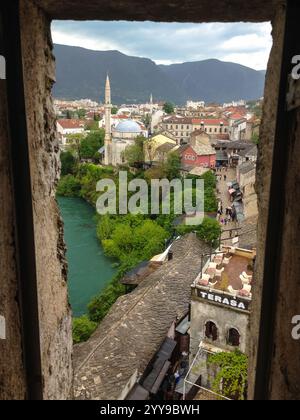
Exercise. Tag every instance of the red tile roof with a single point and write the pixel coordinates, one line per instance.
(237, 116)
(210, 121)
(120, 117)
(71, 123)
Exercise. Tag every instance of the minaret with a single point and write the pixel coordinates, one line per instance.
(151, 104)
(151, 114)
(107, 138)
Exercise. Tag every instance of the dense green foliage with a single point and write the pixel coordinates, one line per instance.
(101, 304)
(130, 239)
(90, 145)
(231, 377)
(172, 166)
(134, 154)
(210, 199)
(68, 162)
(83, 327)
(68, 186)
(168, 108)
(209, 231)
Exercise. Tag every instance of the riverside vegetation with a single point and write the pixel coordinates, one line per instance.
(127, 239)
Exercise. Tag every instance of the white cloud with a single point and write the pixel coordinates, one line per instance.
(79, 40)
(251, 42)
(255, 60)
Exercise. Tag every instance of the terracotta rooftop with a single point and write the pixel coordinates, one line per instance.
(210, 121)
(137, 324)
(71, 123)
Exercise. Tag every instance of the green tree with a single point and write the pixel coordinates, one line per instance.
(168, 108)
(69, 114)
(231, 377)
(68, 186)
(173, 165)
(156, 172)
(68, 162)
(209, 231)
(90, 145)
(134, 154)
(92, 125)
(147, 120)
(133, 237)
(101, 304)
(114, 110)
(82, 328)
(210, 199)
(81, 113)
(74, 141)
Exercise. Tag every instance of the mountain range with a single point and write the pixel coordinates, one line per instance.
(81, 73)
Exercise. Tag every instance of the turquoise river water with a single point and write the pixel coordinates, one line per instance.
(89, 270)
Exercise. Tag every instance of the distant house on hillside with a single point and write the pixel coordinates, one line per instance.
(66, 127)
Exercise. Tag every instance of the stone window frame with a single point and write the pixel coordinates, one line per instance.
(228, 337)
(275, 79)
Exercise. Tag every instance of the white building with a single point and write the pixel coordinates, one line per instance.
(124, 135)
(66, 127)
(241, 102)
(195, 104)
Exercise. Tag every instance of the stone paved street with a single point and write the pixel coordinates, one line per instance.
(223, 195)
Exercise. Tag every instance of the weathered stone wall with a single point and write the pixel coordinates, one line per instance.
(285, 383)
(54, 312)
(12, 385)
(224, 319)
(166, 11)
(263, 178)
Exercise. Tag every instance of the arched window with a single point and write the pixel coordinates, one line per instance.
(233, 337)
(211, 331)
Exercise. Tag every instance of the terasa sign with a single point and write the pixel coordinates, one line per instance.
(224, 300)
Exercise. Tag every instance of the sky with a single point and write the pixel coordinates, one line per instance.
(248, 44)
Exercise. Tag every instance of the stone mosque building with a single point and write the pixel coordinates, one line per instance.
(118, 138)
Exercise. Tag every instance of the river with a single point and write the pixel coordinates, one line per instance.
(89, 270)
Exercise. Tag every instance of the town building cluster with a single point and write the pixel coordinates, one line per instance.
(196, 299)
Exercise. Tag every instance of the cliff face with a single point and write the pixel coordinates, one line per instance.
(11, 367)
(53, 308)
(54, 311)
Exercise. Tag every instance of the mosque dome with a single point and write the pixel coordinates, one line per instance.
(128, 126)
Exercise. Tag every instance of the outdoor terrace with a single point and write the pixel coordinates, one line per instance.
(228, 270)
